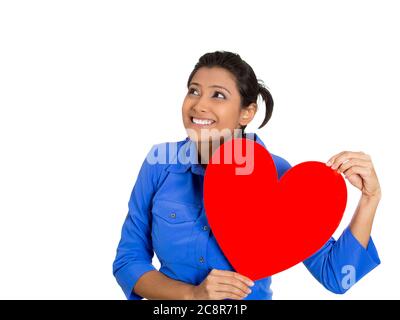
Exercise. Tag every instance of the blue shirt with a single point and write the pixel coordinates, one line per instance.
(166, 216)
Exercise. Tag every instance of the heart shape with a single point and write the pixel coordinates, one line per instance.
(262, 225)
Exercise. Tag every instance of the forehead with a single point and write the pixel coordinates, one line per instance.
(215, 76)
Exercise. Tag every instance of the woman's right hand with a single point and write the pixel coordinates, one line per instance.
(222, 284)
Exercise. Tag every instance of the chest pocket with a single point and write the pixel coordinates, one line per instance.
(172, 229)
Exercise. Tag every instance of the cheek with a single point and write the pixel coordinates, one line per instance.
(185, 108)
(229, 116)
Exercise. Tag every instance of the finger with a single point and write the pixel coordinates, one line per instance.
(336, 156)
(332, 159)
(353, 162)
(231, 281)
(232, 289)
(239, 276)
(362, 171)
(346, 156)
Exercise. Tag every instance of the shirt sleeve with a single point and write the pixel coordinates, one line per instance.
(135, 252)
(338, 265)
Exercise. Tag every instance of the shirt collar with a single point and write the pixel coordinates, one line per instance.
(187, 157)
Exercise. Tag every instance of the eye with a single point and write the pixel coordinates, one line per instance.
(217, 92)
(191, 90)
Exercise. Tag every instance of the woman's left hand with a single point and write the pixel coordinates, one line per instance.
(358, 170)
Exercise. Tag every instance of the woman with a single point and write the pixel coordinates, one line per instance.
(166, 212)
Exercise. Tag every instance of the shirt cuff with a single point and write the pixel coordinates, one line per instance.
(129, 275)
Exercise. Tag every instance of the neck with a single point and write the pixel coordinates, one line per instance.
(205, 151)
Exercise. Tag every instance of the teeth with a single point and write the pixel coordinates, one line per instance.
(202, 121)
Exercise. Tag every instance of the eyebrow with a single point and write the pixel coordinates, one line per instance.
(213, 86)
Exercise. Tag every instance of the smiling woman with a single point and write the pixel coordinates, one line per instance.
(214, 96)
(222, 97)
(209, 106)
(166, 210)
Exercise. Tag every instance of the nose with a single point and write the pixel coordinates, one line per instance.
(200, 106)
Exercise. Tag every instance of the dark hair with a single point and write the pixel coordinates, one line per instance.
(248, 85)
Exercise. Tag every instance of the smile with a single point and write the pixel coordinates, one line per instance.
(203, 122)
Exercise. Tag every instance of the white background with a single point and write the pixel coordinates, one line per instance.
(87, 87)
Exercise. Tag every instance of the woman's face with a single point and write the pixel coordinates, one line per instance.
(211, 107)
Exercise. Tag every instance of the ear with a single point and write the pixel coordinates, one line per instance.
(247, 114)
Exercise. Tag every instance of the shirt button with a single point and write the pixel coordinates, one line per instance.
(173, 215)
(201, 259)
(205, 228)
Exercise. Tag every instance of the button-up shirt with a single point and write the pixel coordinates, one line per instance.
(166, 216)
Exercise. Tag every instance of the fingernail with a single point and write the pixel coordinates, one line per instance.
(250, 283)
(328, 163)
(248, 291)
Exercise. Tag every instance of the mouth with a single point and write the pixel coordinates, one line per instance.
(202, 122)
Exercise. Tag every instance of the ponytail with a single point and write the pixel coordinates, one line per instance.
(269, 103)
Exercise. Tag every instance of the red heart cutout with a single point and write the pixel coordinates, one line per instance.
(262, 225)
